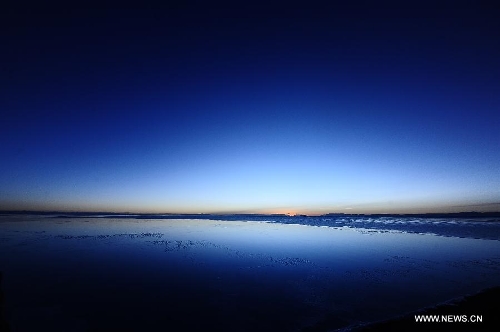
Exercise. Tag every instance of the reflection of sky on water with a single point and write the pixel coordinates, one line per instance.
(101, 270)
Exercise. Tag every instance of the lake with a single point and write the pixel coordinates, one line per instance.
(127, 274)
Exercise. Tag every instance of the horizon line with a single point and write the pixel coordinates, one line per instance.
(488, 213)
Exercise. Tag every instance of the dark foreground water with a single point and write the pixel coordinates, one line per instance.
(97, 274)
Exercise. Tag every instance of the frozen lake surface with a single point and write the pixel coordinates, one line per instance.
(124, 274)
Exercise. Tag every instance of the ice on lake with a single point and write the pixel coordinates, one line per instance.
(102, 274)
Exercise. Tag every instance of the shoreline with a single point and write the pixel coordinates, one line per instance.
(481, 304)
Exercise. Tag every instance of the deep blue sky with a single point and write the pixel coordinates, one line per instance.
(371, 108)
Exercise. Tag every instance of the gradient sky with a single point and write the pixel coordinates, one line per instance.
(370, 108)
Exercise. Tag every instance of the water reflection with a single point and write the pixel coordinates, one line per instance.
(125, 274)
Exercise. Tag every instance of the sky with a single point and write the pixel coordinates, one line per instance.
(256, 108)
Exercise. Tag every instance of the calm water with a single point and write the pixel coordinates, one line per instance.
(93, 274)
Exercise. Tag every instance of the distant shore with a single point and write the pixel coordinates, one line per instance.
(242, 216)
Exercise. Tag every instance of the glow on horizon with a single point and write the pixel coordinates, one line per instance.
(296, 168)
(356, 209)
